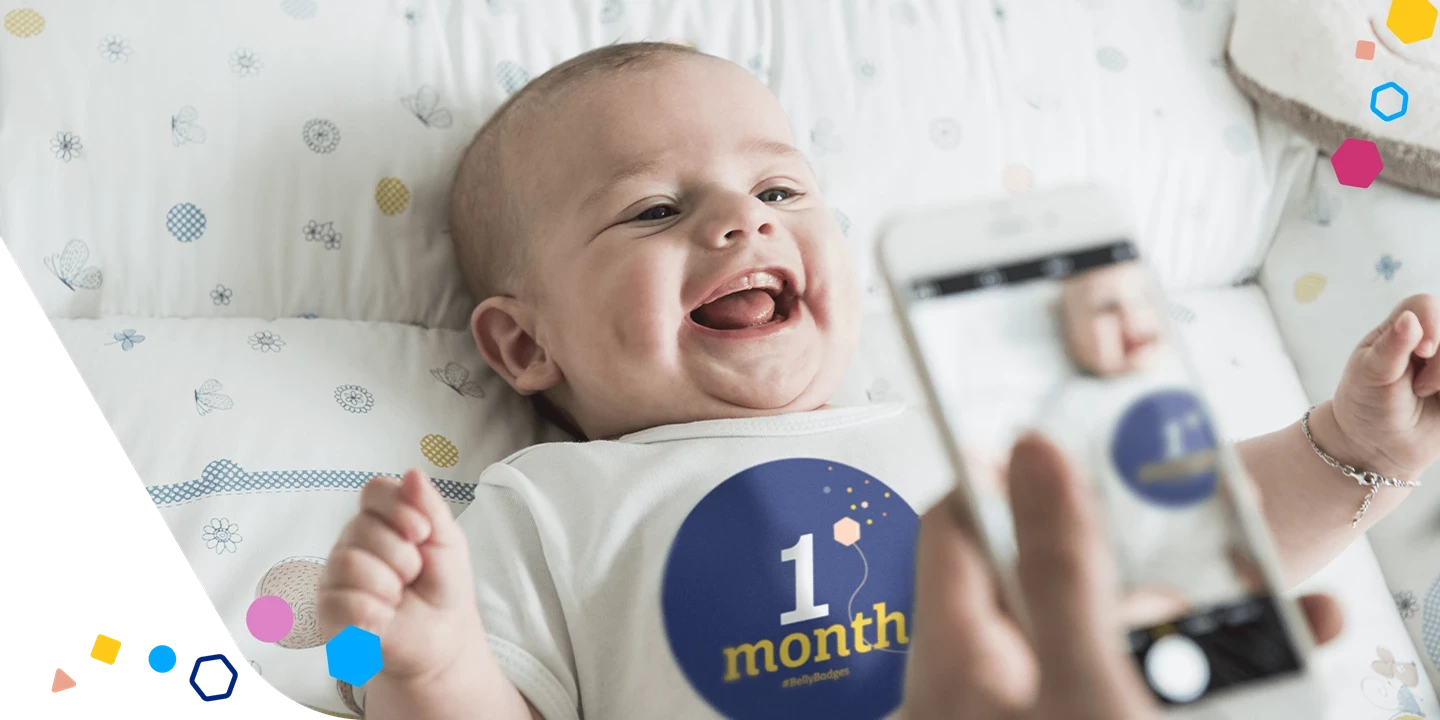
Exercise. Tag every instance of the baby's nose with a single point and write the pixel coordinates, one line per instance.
(739, 219)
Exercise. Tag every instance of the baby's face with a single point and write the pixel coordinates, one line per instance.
(1112, 326)
(686, 267)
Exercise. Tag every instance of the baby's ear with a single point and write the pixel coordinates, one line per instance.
(504, 330)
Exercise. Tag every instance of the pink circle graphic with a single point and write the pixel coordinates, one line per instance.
(269, 618)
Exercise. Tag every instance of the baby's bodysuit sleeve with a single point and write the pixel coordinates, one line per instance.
(517, 595)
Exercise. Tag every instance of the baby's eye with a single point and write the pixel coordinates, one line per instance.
(775, 195)
(659, 212)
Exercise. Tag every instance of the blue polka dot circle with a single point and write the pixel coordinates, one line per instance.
(186, 222)
(1164, 448)
(788, 592)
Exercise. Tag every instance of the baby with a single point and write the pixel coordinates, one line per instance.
(655, 261)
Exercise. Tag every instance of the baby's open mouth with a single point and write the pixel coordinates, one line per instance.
(752, 300)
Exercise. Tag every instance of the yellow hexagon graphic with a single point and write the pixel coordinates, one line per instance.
(1411, 20)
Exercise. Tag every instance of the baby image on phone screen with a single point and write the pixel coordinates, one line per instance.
(1131, 418)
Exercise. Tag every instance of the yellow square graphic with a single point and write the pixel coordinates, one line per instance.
(105, 650)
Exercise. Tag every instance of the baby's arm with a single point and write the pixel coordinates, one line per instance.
(401, 570)
(1308, 504)
(475, 688)
(1385, 418)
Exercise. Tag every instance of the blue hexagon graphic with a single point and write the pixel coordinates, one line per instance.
(196, 671)
(1375, 101)
(353, 656)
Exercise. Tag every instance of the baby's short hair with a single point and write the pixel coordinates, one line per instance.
(485, 225)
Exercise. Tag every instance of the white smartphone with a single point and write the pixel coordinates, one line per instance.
(1037, 313)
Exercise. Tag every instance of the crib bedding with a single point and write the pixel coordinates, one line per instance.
(1342, 259)
(256, 486)
(236, 218)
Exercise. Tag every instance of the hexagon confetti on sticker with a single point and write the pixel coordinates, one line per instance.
(1411, 20)
(847, 531)
(213, 678)
(353, 656)
(392, 196)
(1357, 163)
(439, 450)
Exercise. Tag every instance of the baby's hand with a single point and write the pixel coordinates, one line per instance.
(401, 570)
(1386, 405)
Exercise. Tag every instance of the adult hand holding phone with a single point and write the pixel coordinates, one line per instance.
(972, 659)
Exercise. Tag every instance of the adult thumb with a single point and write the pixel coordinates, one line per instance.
(1386, 360)
(1071, 593)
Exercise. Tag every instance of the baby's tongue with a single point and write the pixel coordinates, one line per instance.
(735, 311)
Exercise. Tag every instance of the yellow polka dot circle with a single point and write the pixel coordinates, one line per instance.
(1309, 287)
(392, 196)
(439, 450)
(24, 23)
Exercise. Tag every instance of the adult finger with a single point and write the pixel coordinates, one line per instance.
(1325, 616)
(966, 654)
(1070, 592)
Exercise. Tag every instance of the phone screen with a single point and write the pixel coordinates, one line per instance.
(1075, 345)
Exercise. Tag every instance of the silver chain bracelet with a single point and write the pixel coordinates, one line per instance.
(1368, 478)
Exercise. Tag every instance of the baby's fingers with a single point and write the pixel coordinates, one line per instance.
(1427, 381)
(382, 497)
(373, 536)
(420, 494)
(340, 608)
(1427, 309)
(1386, 359)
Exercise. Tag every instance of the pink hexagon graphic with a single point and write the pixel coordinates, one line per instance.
(847, 532)
(1357, 163)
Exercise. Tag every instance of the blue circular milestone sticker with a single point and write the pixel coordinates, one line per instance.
(1164, 449)
(788, 592)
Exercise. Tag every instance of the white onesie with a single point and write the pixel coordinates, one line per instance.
(1166, 526)
(757, 568)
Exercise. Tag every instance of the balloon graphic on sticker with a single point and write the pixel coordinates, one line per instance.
(1164, 449)
(788, 592)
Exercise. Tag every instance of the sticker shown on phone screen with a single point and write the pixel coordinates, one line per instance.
(1164, 448)
(788, 593)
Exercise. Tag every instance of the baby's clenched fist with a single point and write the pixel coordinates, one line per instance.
(402, 571)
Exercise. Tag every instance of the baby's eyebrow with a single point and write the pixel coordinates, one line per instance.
(758, 146)
(763, 146)
(628, 172)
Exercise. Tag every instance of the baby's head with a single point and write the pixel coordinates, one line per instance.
(648, 247)
(1110, 320)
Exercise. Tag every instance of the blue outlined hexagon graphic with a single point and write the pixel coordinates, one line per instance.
(232, 678)
(353, 656)
(1375, 101)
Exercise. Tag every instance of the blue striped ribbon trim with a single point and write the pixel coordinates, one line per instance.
(224, 477)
